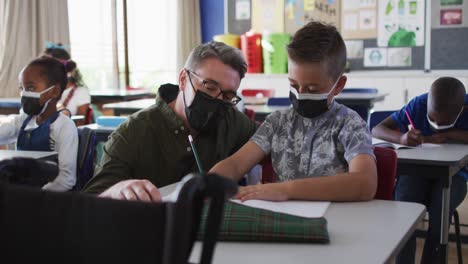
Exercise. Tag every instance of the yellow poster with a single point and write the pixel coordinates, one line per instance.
(300, 12)
(309, 5)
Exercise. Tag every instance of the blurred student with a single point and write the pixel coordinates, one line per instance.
(39, 126)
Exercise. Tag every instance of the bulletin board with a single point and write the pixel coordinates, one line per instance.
(448, 29)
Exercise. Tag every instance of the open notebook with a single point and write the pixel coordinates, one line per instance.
(384, 144)
(298, 208)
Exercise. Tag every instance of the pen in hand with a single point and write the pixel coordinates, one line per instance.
(409, 119)
(197, 158)
(415, 133)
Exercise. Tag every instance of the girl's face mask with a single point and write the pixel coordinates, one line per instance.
(30, 102)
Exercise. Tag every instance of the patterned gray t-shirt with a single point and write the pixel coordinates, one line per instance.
(310, 147)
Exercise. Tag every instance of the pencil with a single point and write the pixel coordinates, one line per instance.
(409, 118)
(197, 158)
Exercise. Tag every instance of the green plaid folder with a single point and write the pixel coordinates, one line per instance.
(244, 223)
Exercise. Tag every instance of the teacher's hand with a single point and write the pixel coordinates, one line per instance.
(133, 190)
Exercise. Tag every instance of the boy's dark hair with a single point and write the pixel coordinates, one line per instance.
(226, 54)
(317, 42)
(63, 56)
(52, 70)
(447, 95)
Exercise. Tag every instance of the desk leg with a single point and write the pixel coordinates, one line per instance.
(444, 228)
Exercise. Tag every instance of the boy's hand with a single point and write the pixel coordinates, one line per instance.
(436, 138)
(411, 138)
(269, 192)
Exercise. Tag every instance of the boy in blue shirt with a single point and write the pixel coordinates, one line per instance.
(439, 116)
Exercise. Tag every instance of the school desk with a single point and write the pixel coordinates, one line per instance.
(366, 100)
(104, 96)
(128, 108)
(9, 154)
(444, 161)
(10, 106)
(361, 232)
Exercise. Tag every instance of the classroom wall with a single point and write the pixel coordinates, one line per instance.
(401, 86)
(212, 18)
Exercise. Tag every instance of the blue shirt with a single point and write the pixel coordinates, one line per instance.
(417, 109)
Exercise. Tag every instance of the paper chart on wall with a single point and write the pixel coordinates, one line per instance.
(359, 19)
(242, 9)
(375, 57)
(401, 23)
(399, 57)
(354, 49)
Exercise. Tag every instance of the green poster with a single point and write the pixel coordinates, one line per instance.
(451, 2)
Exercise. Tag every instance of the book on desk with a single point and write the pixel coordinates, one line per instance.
(385, 144)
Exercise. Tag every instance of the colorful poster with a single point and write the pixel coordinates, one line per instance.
(451, 17)
(399, 57)
(359, 19)
(375, 57)
(354, 49)
(401, 23)
(300, 12)
(449, 13)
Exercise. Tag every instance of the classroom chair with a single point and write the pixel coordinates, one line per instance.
(386, 172)
(86, 157)
(257, 96)
(28, 171)
(376, 117)
(249, 113)
(78, 228)
(278, 101)
(258, 92)
(89, 117)
(361, 110)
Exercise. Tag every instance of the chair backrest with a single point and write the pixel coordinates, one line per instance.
(278, 101)
(78, 228)
(86, 157)
(386, 172)
(377, 117)
(360, 90)
(268, 173)
(89, 118)
(250, 113)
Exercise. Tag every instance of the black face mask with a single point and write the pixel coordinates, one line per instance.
(31, 106)
(30, 102)
(309, 108)
(204, 112)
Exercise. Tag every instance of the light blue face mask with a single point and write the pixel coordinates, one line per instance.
(439, 127)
